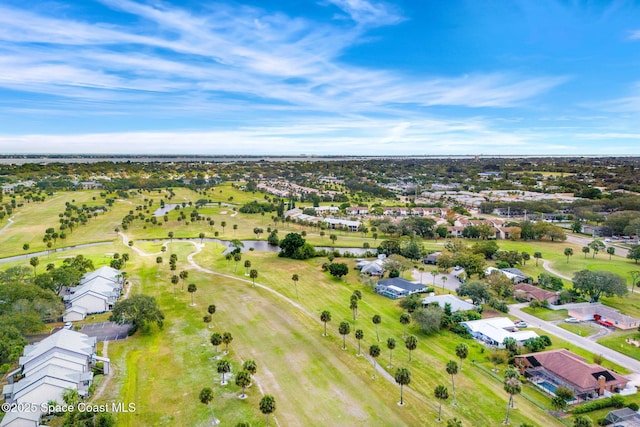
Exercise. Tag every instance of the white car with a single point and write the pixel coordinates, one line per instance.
(521, 324)
(572, 320)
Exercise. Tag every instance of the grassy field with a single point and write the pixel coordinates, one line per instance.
(313, 380)
(546, 314)
(581, 329)
(617, 341)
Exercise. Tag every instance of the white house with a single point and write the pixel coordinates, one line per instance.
(456, 303)
(17, 418)
(64, 360)
(106, 272)
(334, 223)
(98, 292)
(74, 314)
(493, 331)
(92, 302)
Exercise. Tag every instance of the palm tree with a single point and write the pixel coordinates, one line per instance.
(454, 422)
(441, 393)
(226, 339)
(444, 279)
(376, 319)
(254, 275)
(452, 369)
(235, 227)
(192, 288)
(391, 344)
(462, 351)
(325, 317)
(247, 266)
(537, 256)
(374, 351)
(237, 258)
(268, 405)
(333, 239)
(250, 366)
(170, 234)
(125, 258)
(568, 252)
(611, 250)
(403, 377)
(405, 319)
(211, 309)
(586, 250)
(353, 305)
(206, 396)
(558, 403)
(223, 366)
(344, 330)
(34, 261)
(201, 236)
(243, 379)
(216, 340)
(512, 386)
(223, 224)
(174, 281)
(295, 279)
(183, 275)
(434, 273)
(359, 336)
(411, 343)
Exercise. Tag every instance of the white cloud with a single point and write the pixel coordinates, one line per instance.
(634, 35)
(369, 13)
(248, 53)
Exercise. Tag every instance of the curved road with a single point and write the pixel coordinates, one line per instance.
(612, 355)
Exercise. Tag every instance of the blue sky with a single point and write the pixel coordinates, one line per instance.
(348, 77)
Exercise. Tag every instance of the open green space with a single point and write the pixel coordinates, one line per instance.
(618, 341)
(581, 329)
(546, 314)
(313, 380)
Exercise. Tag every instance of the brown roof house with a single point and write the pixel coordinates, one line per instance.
(524, 291)
(551, 369)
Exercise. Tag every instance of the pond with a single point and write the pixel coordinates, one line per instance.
(162, 211)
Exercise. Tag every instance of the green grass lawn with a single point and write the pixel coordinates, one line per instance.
(581, 329)
(313, 380)
(617, 341)
(546, 314)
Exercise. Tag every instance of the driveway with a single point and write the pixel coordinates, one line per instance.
(607, 353)
(451, 283)
(106, 331)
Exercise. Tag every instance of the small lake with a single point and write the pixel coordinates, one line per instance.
(264, 246)
(162, 211)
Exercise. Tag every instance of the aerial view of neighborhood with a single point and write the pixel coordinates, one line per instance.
(470, 291)
(319, 213)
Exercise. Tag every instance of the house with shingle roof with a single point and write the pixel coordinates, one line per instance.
(524, 291)
(59, 362)
(555, 368)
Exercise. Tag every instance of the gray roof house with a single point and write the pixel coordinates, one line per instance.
(15, 418)
(398, 287)
(456, 303)
(61, 361)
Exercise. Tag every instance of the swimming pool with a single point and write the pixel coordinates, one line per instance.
(548, 386)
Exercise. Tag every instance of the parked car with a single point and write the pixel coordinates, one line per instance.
(521, 324)
(572, 320)
(68, 325)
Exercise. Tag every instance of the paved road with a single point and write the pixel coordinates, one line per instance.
(607, 353)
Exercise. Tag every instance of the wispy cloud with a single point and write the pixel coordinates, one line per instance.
(634, 35)
(238, 53)
(371, 13)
